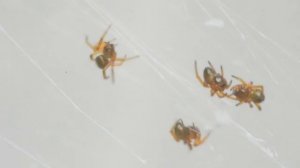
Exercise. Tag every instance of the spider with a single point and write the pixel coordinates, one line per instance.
(105, 56)
(247, 93)
(213, 80)
(190, 135)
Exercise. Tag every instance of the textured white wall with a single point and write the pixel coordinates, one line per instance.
(56, 111)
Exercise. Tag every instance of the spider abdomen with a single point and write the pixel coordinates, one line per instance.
(209, 75)
(101, 61)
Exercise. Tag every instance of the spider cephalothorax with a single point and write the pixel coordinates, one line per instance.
(190, 135)
(105, 56)
(247, 93)
(213, 80)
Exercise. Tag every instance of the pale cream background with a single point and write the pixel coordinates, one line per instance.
(56, 111)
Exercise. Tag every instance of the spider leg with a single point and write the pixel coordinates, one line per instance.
(258, 106)
(212, 92)
(104, 74)
(228, 86)
(239, 79)
(127, 58)
(231, 97)
(211, 66)
(188, 142)
(104, 70)
(112, 73)
(205, 138)
(174, 135)
(119, 63)
(179, 121)
(222, 71)
(89, 44)
(133, 57)
(122, 60)
(200, 141)
(239, 103)
(250, 104)
(177, 126)
(103, 36)
(190, 146)
(221, 94)
(204, 84)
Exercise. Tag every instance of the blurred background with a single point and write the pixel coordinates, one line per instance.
(56, 110)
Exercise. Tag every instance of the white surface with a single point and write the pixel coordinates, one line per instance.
(58, 112)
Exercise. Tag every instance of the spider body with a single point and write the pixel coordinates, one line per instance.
(213, 80)
(190, 135)
(105, 55)
(108, 55)
(247, 93)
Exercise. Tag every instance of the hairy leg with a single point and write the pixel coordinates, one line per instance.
(204, 84)
(239, 79)
(258, 106)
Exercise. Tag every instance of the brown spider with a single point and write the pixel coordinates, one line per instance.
(247, 93)
(213, 80)
(188, 134)
(105, 56)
